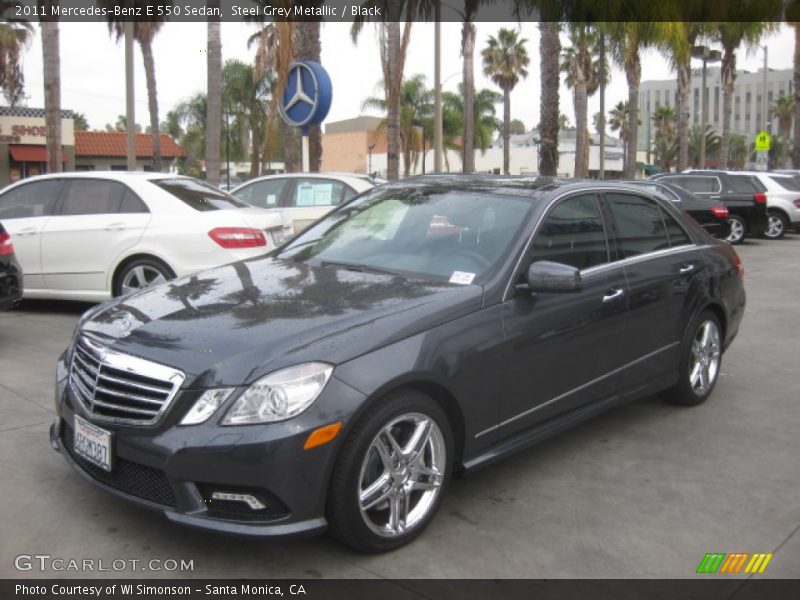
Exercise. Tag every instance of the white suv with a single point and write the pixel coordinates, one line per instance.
(783, 202)
(93, 235)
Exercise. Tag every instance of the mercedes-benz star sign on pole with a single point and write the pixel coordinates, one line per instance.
(306, 99)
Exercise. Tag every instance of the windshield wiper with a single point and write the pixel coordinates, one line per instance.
(358, 267)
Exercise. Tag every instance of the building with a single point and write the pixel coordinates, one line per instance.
(359, 145)
(747, 105)
(23, 146)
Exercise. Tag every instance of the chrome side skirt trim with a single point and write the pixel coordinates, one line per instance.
(572, 391)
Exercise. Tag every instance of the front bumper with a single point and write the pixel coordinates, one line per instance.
(175, 470)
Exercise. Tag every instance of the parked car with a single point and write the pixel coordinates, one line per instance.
(341, 380)
(93, 235)
(10, 272)
(742, 194)
(712, 215)
(305, 196)
(783, 202)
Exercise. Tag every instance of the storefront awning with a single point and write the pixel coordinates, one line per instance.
(37, 154)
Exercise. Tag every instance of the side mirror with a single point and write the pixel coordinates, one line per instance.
(548, 276)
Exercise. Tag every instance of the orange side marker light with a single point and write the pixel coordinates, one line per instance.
(323, 435)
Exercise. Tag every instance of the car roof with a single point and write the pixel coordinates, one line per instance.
(115, 175)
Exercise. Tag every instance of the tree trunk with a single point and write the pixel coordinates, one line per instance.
(291, 148)
(581, 108)
(549, 53)
(214, 102)
(394, 78)
(506, 130)
(684, 84)
(796, 145)
(727, 80)
(309, 47)
(152, 100)
(51, 62)
(468, 33)
(633, 73)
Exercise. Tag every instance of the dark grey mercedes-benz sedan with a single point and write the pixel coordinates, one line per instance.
(424, 329)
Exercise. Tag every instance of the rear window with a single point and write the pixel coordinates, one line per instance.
(199, 195)
(744, 184)
(787, 183)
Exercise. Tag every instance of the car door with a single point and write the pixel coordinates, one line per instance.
(24, 211)
(312, 198)
(664, 269)
(562, 349)
(96, 220)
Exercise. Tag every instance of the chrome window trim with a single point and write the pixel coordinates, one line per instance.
(641, 257)
(538, 407)
(130, 364)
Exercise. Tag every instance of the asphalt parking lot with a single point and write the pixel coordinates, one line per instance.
(642, 491)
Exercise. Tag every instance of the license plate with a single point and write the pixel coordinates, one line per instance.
(278, 236)
(92, 443)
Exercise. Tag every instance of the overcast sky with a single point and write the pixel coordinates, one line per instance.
(93, 79)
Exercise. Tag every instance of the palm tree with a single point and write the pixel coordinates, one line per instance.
(783, 109)
(619, 120)
(664, 121)
(665, 151)
(713, 143)
(793, 15)
(485, 115)
(308, 46)
(51, 62)
(737, 151)
(144, 32)
(214, 99)
(393, 47)
(582, 71)
(80, 122)
(731, 35)
(549, 52)
(505, 62)
(468, 34)
(14, 38)
(627, 40)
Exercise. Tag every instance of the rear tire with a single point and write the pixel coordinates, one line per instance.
(737, 229)
(701, 358)
(777, 224)
(391, 473)
(139, 274)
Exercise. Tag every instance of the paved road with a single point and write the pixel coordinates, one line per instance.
(642, 491)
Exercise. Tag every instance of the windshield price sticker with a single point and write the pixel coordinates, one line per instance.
(462, 277)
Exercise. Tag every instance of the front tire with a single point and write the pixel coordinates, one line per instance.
(701, 358)
(737, 229)
(391, 473)
(777, 224)
(139, 274)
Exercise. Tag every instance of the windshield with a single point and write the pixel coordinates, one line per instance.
(454, 235)
(199, 195)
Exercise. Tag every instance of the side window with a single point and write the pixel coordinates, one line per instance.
(573, 234)
(317, 192)
(742, 184)
(30, 200)
(92, 197)
(264, 194)
(640, 228)
(131, 203)
(699, 185)
(675, 232)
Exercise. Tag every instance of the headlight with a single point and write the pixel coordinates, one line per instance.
(280, 395)
(205, 406)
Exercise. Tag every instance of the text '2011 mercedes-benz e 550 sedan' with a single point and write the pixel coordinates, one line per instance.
(423, 329)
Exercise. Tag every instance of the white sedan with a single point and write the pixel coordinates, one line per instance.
(93, 235)
(305, 196)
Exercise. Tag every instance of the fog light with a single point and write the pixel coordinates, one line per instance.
(248, 499)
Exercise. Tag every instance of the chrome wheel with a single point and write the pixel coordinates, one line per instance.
(704, 365)
(140, 277)
(775, 227)
(402, 474)
(736, 231)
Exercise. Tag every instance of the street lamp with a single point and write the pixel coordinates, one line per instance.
(707, 55)
(369, 163)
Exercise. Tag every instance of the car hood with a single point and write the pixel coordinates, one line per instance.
(233, 324)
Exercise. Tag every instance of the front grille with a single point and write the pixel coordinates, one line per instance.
(118, 387)
(129, 477)
(274, 508)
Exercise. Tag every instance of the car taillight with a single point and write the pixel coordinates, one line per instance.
(720, 212)
(760, 198)
(6, 247)
(238, 237)
(737, 264)
(797, 203)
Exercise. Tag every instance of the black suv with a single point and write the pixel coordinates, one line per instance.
(743, 195)
(10, 272)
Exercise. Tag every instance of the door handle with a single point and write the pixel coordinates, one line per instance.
(686, 268)
(27, 231)
(613, 294)
(115, 227)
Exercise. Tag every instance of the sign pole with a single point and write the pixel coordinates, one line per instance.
(305, 151)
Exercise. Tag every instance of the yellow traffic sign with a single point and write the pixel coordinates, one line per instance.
(763, 140)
